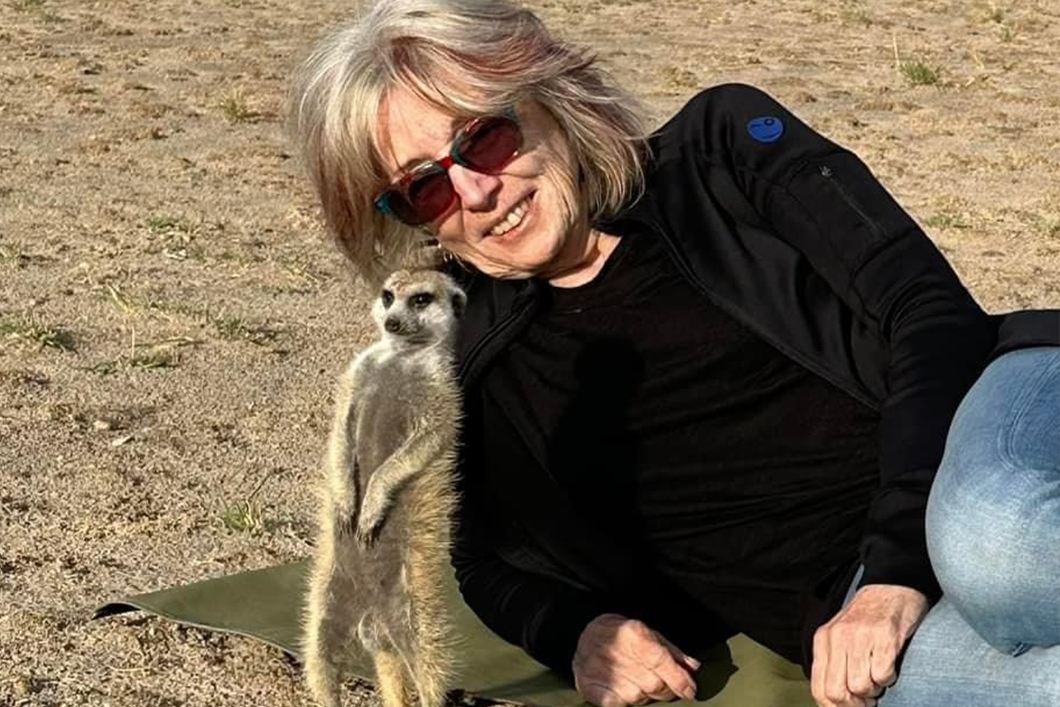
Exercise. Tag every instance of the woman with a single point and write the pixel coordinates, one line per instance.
(708, 375)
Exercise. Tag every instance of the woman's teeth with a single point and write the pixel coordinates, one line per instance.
(513, 219)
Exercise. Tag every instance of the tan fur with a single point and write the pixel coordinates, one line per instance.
(382, 556)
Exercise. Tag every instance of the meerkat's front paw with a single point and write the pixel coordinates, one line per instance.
(368, 530)
(372, 513)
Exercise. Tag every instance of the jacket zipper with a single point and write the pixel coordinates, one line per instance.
(829, 175)
(689, 273)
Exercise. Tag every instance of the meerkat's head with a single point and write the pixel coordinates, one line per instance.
(418, 307)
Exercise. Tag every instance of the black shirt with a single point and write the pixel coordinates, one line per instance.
(723, 464)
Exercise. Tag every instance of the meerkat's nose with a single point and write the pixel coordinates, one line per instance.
(392, 324)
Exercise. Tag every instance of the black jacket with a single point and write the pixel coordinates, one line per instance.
(791, 235)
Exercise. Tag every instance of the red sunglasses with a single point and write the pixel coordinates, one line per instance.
(484, 145)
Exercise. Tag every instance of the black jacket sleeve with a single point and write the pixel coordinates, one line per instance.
(539, 613)
(542, 615)
(823, 201)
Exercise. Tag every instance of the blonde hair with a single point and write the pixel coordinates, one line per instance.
(468, 58)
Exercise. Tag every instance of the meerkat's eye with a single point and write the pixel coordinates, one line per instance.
(388, 298)
(421, 300)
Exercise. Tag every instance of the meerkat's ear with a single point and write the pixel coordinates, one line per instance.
(425, 255)
(459, 300)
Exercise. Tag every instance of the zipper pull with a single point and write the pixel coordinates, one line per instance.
(826, 171)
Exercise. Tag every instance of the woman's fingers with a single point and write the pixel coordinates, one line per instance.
(683, 681)
(621, 660)
(653, 653)
(617, 691)
(651, 684)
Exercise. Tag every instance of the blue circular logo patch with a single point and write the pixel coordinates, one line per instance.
(766, 129)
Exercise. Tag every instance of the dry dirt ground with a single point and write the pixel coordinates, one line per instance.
(172, 318)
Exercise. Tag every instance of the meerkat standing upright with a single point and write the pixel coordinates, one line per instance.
(383, 552)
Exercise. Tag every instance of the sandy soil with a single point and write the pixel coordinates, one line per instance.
(172, 318)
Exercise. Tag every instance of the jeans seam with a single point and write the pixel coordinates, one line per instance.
(1028, 392)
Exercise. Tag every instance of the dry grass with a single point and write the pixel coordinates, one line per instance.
(27, 328)
(236, 109)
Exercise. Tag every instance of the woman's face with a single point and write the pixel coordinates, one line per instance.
(552, 235)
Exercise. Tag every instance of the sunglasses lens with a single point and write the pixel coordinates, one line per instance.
(489, 144)
(429, 195)
(485, 146)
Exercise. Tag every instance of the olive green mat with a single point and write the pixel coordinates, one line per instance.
(264, 604)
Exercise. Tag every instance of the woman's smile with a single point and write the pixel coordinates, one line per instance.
(514, 222)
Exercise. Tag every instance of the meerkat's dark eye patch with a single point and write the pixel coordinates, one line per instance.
(388, 298)
(421, 300)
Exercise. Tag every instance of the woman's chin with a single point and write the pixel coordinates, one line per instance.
(501, 268)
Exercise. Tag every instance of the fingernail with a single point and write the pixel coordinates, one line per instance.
(692, 661)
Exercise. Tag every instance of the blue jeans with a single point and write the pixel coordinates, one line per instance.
(993, 531)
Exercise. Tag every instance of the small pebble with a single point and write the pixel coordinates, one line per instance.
(23, 686)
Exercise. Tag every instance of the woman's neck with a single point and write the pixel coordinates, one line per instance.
(598, 247)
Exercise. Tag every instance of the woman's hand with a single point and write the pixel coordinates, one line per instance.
(620, 661)
(855, 654)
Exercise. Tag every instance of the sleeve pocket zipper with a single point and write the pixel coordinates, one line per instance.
(830, 177)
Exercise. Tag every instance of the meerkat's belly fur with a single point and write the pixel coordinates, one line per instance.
(382, 556)
(400, 574)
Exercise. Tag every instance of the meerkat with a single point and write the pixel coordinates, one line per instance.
(382, 556)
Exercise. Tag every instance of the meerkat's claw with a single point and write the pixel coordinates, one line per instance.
(368, 525)
(371, 516)
(347, 525)
(366, 536)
